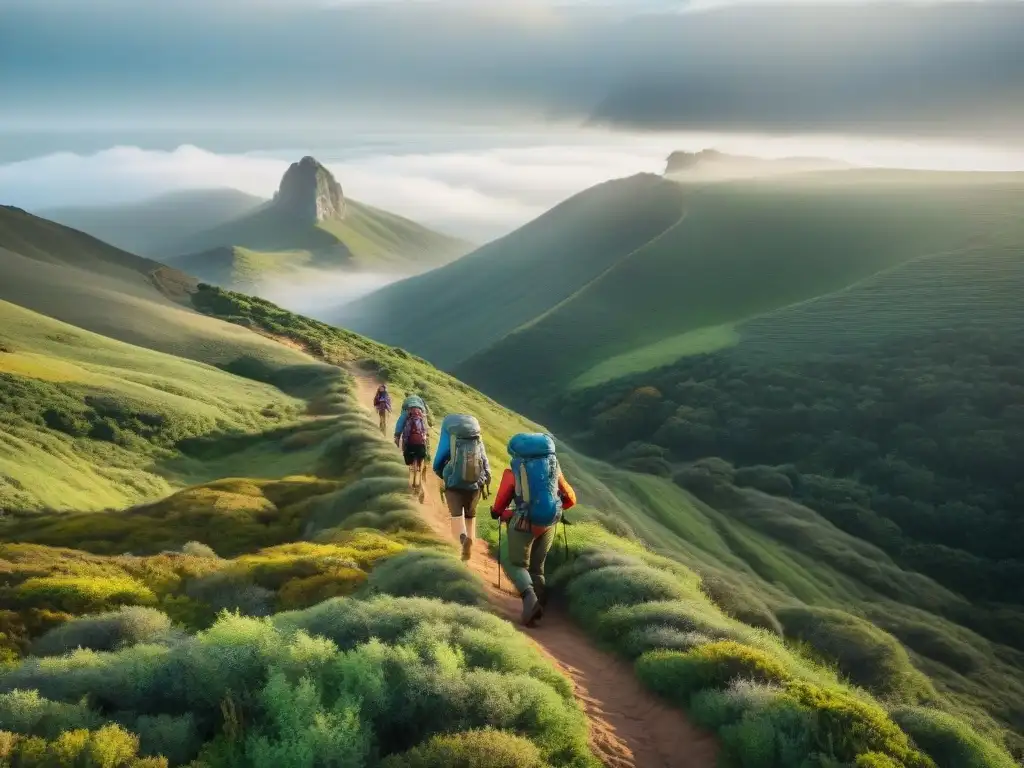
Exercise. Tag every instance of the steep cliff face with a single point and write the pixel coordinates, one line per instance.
(310, 192)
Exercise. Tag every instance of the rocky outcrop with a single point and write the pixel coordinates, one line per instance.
(310, 192)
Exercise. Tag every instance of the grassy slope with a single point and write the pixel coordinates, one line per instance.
(75, 278)
(146, 227)
(743, 249)
(268, 242)
(764, 565)
(54, 370)
(512, 280)
(353, 665)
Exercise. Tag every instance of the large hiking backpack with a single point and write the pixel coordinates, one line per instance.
(415, 430)
(465, 467)
(536, 471)
(413, 401)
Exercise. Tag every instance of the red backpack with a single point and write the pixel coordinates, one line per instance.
(415, 430)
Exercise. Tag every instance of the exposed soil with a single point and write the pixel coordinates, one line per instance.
(629, 726)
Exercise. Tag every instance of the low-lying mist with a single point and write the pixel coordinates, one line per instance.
(315, 292)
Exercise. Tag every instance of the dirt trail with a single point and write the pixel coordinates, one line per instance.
(629, 726)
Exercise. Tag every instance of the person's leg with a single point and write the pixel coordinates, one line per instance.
(470, 500)
(383, 421)
(517, 559)
(538, 555)
(453, 499)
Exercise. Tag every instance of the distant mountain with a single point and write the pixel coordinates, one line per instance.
(311, 224)
(712, 165)
(148, 227)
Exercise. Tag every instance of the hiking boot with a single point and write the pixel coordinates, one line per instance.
(423, 494)
(467, 548)
(541, 590)
(532, 609)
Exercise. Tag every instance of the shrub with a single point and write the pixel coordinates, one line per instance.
(472, 749)
(846, 726)
(83, 594)
(109, 747)
(29, 714)
(765, 479)
(950, 742)
(677, 676)
(173, 737)
(427, 574)
(739, 603)
(231, 592)
(198, 549)
(595, 592)
(867, 655)
(106, 632)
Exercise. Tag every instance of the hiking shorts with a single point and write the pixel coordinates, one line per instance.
(462, 502)
(414, 453)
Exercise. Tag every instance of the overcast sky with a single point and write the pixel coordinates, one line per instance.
(955, 69)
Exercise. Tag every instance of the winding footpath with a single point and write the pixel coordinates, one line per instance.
(629, 726)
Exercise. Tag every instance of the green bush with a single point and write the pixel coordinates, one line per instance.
(108, 747)
(83, 594)
(427, 574)
(473, 749)
(949, 741)
(106, 631)
(677, 676)
(597, 591)
(868, 656)
(26, 712)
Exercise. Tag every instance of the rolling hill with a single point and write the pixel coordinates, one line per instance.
(150, 226)
(750, 611)
(702, 259)
(513, 280)
(310, 224)
(77, 279)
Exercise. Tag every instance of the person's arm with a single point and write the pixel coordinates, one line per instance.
(566, 492)
(442, 456)
(504, 497)
(399, 426)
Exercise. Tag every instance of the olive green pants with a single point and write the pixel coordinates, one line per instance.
(524, 559)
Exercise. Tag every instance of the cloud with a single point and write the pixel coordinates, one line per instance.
(470, 183)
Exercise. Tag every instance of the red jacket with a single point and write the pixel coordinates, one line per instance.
(503, 507)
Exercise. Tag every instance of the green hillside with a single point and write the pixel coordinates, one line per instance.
(656, 567)
(149, 226)
(511, 281)
(86, 422)
(742, 249)
(71, 276)
(284, 601)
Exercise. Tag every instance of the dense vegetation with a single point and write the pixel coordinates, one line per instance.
(913, 446)
(266, 622)
(705, 627)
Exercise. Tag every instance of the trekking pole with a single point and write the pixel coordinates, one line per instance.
(499, 555)
(565, 539)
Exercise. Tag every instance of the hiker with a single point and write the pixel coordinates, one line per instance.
(382, 404)
(538, 492)
(411, 435)
(461, 463)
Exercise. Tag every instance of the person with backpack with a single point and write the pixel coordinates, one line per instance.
(531, 498)
(461, 463)
(382, 405)
(412, 436)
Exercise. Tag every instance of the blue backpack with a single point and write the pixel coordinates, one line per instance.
(536, 472)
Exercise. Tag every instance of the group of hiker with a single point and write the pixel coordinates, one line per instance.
(531, 497)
